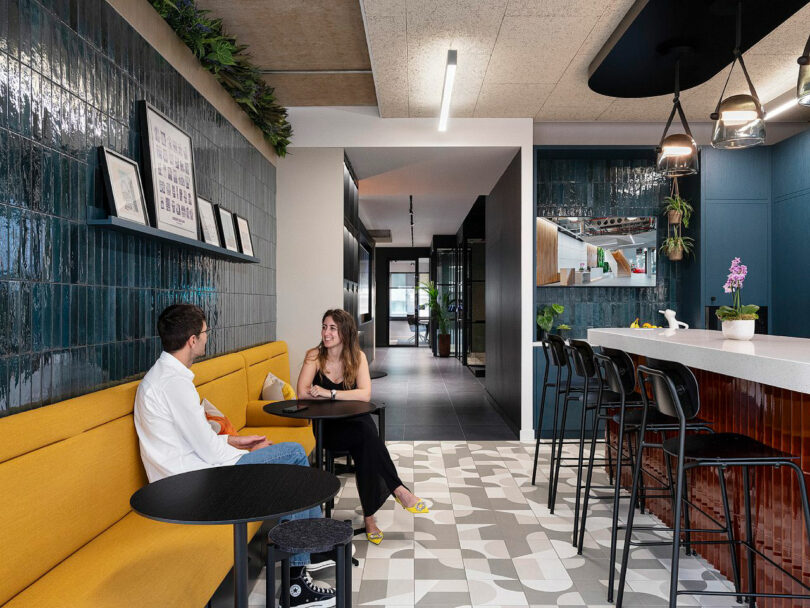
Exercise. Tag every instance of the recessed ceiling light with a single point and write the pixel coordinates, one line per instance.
(447, 91)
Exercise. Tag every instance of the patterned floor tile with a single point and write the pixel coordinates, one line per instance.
(491, 540)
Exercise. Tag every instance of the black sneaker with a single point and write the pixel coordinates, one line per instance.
(305, 593)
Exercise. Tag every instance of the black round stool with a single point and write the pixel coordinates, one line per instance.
(310, 536)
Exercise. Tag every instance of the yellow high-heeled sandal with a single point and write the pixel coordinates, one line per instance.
(374, 537)
(419, 507)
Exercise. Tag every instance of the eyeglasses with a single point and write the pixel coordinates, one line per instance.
(205, 331)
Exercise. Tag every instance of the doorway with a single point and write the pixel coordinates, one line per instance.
(408, 313)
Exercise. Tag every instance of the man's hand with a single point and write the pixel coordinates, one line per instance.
(248, 442)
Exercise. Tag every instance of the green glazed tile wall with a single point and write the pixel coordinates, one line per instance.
(78, 304)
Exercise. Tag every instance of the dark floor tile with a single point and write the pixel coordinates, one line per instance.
(422, 415)
(428, 402)
(433, 433)
(478, 416)
(470, 400)
(489, 432)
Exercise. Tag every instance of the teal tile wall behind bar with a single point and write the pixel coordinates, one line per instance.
(599, 183)
(79, 304)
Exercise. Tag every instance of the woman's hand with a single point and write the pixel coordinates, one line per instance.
(318, 392)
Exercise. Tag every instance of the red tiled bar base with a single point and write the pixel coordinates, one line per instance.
(776, 417)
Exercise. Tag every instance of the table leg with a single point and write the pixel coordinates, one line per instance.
(318, 443)
(240, 566)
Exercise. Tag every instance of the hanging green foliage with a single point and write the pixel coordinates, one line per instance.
(231, 65)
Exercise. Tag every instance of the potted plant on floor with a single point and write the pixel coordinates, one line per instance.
(440, 311)
(674, 247)
(545, 318)
(738, 319)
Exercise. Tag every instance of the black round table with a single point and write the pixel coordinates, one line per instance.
(326, 409)
(235, 495)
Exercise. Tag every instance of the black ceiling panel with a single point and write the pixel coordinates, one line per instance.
(639, 58)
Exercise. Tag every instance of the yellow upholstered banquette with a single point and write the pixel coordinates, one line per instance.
(67, 534)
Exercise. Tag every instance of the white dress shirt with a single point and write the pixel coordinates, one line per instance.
(174, 434)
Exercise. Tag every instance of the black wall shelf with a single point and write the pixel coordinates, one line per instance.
(98, 217)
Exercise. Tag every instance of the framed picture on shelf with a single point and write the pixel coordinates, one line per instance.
(226, 229)
(208, 222)
(123, 188)
(169, 173)
(243, 232)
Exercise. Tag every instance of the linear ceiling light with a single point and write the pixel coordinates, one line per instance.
(740, 119)
(803, 87)
(447, 92)
(780, 109)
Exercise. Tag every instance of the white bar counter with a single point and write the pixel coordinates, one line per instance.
(774, 360)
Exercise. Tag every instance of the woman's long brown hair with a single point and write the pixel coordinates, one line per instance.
(350, 357)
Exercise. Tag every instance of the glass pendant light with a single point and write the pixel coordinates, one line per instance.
(803, 88)
(677, 153)
(740, 121)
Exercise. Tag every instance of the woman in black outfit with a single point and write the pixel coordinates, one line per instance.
(337, 369)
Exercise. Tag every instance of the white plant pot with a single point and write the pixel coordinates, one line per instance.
(738, 330)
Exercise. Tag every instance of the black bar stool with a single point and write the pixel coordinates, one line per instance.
(586, 385)
(676, 394)
(617, 378)
(615, 369)
(600, 403)
(559, 387)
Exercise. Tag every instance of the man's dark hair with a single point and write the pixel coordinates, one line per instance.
(178, 323)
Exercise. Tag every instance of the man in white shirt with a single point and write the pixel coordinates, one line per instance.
(175, 436)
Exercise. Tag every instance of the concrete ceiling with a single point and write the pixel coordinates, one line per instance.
(530, 58)
(444, 183)
(316, 50)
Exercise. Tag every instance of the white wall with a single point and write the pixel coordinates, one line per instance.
(570, 252)
(348, 127)
(309, 253)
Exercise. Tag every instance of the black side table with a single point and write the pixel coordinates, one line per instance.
(235, 495)
(325, 409)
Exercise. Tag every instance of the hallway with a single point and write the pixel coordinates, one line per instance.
(431, 398)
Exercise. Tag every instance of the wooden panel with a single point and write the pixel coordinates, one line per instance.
(778, 418)
(591, 249)
(546, 252)
(622, 265)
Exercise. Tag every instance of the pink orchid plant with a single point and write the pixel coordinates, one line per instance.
(737, 311)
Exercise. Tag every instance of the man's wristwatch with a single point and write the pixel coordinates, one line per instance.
(334, 394)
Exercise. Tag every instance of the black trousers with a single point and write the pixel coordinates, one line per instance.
(376, 474)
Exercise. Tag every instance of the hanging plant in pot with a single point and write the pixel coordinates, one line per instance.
(678, 210)
(738, 319)
(545, 318)
(674, 247)
(440, 311)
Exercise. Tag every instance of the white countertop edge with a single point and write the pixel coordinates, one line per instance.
(738, 359)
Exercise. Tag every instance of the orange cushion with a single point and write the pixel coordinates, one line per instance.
(218, 421)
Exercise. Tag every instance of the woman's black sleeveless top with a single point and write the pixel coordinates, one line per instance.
(322, 380)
